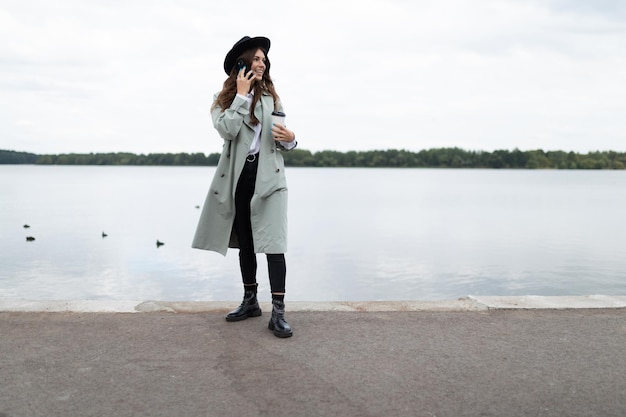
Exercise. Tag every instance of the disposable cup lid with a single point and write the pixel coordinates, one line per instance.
(278, 113)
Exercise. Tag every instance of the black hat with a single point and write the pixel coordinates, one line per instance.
(242, 45)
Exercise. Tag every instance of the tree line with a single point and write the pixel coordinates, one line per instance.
(428, 158)
(112, 158)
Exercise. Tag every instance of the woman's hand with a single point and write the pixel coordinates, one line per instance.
(244, 81)
(281, 133)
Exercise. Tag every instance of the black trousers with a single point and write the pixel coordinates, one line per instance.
(243, 228)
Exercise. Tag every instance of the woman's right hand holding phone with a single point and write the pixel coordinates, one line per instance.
(244, 81)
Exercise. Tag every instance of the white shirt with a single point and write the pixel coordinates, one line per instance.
(255, 147)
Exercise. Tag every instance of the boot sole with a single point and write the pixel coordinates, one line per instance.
(255, 313)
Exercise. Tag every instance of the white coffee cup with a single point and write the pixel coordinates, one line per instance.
(278, 117)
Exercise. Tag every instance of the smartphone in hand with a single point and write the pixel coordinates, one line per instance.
(240, 65)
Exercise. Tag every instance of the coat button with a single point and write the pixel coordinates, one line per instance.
(222, 175)
(277, 169)
(216, 192)
(272, 151)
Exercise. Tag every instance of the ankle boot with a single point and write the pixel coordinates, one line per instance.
(277, 323)
(249, 307)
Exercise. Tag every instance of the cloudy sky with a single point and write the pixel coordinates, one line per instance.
(139, 75)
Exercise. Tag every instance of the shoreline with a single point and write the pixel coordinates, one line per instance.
(469, 303)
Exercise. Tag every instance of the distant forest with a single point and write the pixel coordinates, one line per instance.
(431, 158)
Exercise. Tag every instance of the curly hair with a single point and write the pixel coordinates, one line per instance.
(229, 90)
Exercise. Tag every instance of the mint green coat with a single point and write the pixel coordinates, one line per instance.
(268, 208)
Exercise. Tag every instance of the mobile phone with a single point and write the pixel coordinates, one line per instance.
(240, 65)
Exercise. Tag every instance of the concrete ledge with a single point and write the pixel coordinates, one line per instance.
(470, 303)
(556, 302)
(97, 306)
(463, 304)
(54, 306)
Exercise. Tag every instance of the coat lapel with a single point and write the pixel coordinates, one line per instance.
(266, 102)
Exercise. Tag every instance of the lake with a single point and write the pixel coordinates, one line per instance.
(354, 234)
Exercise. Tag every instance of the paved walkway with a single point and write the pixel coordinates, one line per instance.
(464, 358)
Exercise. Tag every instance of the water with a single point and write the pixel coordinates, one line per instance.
(355, 234)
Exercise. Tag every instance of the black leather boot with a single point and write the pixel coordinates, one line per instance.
(277, 323)
(249, 307)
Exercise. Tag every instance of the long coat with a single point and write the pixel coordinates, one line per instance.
(268, 208)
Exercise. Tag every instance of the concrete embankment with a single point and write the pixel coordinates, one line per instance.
(469, 303)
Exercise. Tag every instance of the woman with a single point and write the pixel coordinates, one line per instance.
(246, 206)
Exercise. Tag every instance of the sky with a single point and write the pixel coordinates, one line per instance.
(139, 76)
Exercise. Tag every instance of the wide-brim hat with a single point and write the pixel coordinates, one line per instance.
(242, 45)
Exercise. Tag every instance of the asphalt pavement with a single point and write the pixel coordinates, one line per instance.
(363, 362)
